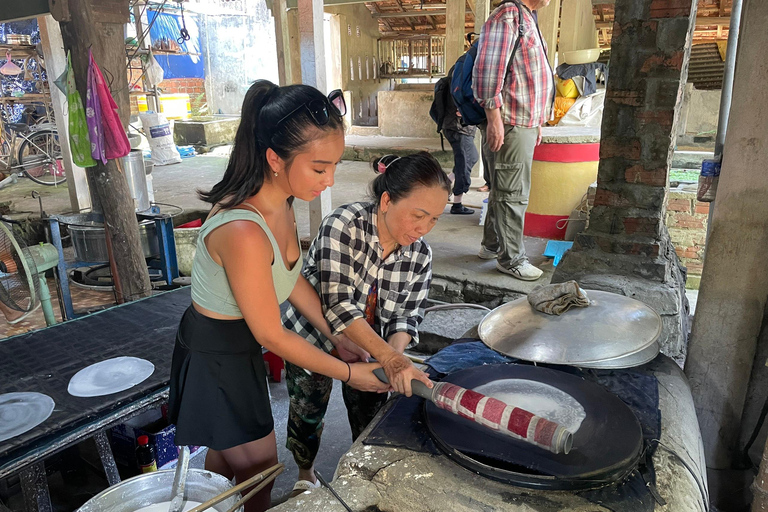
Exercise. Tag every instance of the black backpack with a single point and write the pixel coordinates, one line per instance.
(442, 102)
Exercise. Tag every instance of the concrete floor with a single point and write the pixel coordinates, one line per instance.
(455, 239)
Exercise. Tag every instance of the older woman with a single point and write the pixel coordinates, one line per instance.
(372, 270)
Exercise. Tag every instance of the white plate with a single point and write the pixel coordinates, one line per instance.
(110, 376)
(20, 412)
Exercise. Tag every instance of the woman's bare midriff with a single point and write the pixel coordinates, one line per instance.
(212, 314)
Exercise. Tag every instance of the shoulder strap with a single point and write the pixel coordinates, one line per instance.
(520, 33)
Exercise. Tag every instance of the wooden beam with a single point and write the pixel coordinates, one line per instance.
(701, 21)
(413, 14)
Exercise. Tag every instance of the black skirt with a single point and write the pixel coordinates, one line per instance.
(219, 396)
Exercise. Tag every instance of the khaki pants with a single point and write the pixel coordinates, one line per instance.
(510, 186)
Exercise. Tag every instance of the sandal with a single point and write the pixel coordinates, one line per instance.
(303, 486)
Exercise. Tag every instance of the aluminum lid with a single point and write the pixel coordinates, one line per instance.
(612, 327)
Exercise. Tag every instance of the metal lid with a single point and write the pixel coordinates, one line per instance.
(613, 326)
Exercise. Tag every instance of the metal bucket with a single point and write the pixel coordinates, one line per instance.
(90, 242)
(151, 488)
(136, 175)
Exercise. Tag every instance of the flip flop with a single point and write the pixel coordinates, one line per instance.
(303, 486)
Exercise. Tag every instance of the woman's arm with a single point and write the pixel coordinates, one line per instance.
(306, 301)
(246, 255)
(399, 341)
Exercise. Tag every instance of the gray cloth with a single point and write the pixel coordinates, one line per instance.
(556, 299)
(566, 71)
(510, 172)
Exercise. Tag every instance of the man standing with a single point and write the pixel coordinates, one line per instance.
(462, 140)
(517, 97)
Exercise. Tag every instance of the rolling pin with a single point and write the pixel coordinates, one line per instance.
(494, 414)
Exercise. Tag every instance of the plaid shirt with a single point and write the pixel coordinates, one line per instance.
(525, 91)
(344, 263)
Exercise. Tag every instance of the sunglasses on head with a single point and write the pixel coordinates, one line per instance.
(318, 109)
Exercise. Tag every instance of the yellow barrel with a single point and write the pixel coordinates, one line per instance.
(560, 176)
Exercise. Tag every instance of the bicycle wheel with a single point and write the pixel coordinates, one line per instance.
(40, 158)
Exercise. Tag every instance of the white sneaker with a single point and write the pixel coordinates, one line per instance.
(485, 254)
(524, 271)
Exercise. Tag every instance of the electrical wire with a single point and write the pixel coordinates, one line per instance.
(183, 32)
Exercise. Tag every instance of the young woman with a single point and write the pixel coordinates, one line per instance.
(248, 261)
(372, 270)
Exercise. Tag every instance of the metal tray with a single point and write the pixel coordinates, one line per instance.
(612, 327)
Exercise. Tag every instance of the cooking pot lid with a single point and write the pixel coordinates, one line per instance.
(613, 326)
(607, 441)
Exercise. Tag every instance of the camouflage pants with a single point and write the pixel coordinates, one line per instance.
(309, 396)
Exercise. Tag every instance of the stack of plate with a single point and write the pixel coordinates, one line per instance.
(613, 332)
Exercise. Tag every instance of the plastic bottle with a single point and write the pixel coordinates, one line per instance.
(145, 455)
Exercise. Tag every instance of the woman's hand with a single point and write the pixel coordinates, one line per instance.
(400, 371)
(363, 379)
(349, 351)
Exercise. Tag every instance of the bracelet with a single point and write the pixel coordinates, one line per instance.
(349, 368)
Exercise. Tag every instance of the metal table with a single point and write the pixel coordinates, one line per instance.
(45, 360)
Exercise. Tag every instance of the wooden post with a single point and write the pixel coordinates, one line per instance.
(313, 73)
(283, 41)
(98, 25)
(455, 13)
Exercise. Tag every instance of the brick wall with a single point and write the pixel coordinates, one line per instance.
(686, 220)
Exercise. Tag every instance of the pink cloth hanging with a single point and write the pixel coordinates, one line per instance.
(111, 141)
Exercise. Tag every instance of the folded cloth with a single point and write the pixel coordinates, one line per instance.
(556, 299)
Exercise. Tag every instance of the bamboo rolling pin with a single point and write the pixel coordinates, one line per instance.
(494, 414)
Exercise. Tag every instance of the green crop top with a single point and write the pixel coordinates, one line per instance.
(210, 288)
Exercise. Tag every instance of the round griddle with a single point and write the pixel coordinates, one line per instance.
(606, 448)
(611, 327)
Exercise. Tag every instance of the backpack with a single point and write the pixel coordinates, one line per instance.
(461, 81)
(441, 104)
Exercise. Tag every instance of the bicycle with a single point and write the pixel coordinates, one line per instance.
(39, 154)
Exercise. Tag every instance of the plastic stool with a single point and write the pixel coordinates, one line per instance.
(276, 365)
(555, 249)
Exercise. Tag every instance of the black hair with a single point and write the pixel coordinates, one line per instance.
(403, 174)
(264, 106)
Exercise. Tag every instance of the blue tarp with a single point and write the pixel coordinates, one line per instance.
(189, 63)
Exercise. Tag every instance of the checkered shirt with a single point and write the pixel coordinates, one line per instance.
(525, 91)
(344, 262)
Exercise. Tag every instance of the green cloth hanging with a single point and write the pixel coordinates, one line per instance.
(79, 141)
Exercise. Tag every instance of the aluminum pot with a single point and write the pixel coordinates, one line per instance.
(90, 242)
(136, 176)
(151, 488)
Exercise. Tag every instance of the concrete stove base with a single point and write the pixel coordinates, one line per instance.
(383, 479)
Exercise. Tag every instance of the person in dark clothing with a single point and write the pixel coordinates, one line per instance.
(462, 140)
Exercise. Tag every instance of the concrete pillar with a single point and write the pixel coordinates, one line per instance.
(579, 32)
(312, 43)
(549, 23)
(626, 248)
(482, 10)
(455, 13)
(313, 67)
(283, 42)
(56, 63)
(734, 284)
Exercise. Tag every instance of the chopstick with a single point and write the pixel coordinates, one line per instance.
(239, 487)
(256, 489)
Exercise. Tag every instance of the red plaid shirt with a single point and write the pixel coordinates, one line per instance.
(525, 91)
